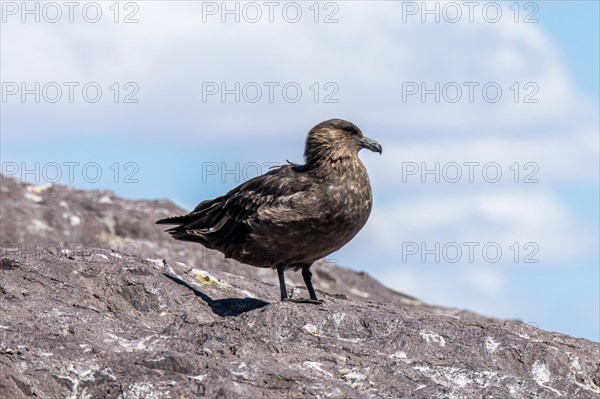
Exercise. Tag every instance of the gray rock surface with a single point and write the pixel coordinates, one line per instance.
(97, 302)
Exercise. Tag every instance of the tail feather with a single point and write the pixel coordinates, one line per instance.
(212, 223)
(174, 220)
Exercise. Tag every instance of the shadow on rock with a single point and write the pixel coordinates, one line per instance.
(227, 307)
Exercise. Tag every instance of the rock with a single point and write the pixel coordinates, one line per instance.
(8, 264)
(154, 318)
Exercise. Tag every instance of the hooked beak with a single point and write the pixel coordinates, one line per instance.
(370, 145)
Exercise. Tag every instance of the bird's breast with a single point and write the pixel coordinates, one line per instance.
(350, 198)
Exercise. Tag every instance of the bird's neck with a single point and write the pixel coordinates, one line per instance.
(328, 168)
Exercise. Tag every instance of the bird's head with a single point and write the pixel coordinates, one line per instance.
(336, 139)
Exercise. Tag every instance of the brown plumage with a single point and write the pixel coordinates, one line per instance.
(294, 214)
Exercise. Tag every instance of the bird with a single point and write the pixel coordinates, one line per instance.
(294, 214)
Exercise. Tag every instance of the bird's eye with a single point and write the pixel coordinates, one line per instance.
(349, 129)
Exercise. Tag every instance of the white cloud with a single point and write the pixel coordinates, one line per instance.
(369, 54)
(501, 217)
(484, 289)
(487, 281)
(566, 156)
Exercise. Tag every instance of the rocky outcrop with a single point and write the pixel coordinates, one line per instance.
(97, 302)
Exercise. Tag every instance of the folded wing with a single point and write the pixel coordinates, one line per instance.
(227, 221)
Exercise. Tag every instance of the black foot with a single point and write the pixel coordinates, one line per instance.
(304, 300)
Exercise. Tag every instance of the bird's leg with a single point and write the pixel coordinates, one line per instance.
(307, 275)
(307, 279)
(280, 270)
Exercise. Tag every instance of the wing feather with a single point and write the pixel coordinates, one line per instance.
(224, 222)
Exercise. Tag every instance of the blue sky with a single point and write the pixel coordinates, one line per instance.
(171, 135)
(574, 27)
